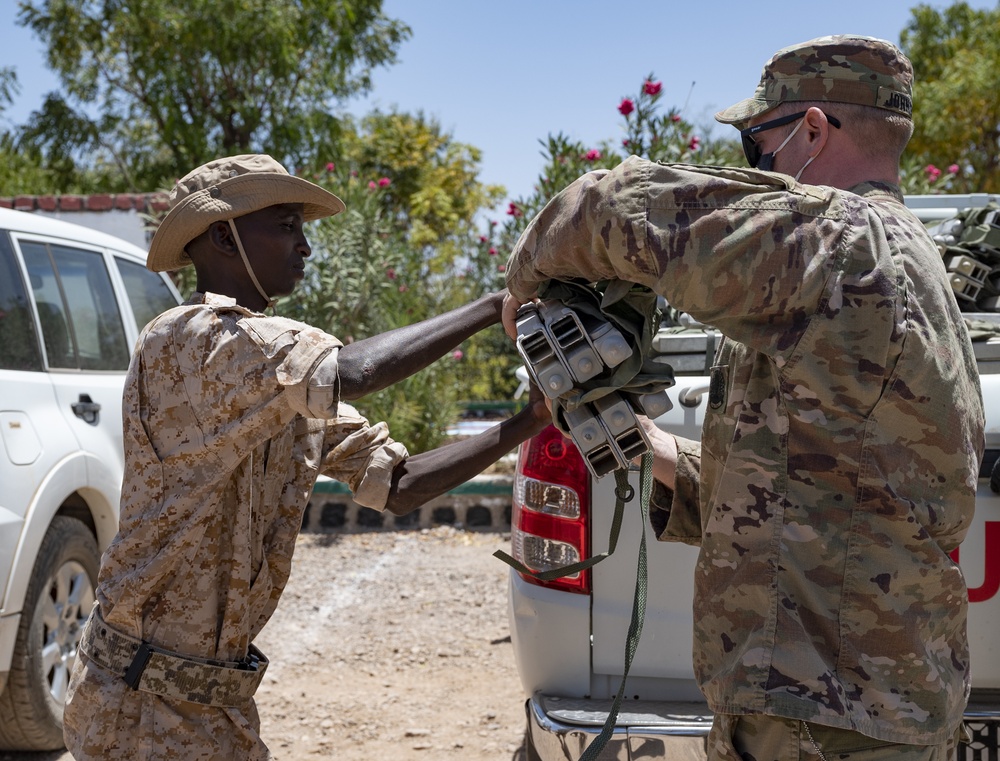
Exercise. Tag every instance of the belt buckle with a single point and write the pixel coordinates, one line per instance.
(134, 673)
(250, 663)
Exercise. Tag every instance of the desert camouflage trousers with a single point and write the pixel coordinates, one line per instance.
(772, 738)
(105, 720)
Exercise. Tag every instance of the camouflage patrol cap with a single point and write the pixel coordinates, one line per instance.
(842, 68)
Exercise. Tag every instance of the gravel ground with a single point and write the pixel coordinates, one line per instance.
(390, 645)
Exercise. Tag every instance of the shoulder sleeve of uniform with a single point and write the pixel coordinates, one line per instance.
(306, 362)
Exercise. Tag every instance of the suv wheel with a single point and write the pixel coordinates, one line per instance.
(56, 606)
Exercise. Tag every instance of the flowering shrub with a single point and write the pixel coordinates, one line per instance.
(918, 178)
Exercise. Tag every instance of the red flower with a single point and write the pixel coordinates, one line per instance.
(514, 211)
(625, 142)
(483, 239)
(932, 172)
(390, 273)
(384, 182)
(675, 118)
(404, 288)
(330, 166)
(354, 173)
(592, 155)
(652, 88)
(502, 268)
(626, 107)
(693, 143)
(493, 252)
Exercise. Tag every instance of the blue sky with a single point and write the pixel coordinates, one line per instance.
(502, 76)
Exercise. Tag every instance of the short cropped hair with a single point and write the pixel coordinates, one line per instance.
(876, 132)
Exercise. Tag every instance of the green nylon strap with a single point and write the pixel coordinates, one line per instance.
(623, 494)
(638, 610)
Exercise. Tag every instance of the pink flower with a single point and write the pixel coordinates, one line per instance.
(384, 182)
(390, 273)
(693, 143)
(330, 166)
(502, 268)
(932, 172)
(493, 223)
(954, 169)
(652, 88)
(483, 239)
(675, 118)
(626, 107)
(514, 211)
(354, 173)
(493, 252)
(372, 185)
(625, 142)
(404, 288)
(457, 355)
(592, 155)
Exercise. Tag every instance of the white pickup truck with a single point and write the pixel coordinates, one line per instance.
(569, 635)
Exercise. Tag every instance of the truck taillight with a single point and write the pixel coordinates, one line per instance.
(551, 509)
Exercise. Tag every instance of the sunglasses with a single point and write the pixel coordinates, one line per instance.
(752, 150)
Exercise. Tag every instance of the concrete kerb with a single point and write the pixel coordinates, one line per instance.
(484, 503)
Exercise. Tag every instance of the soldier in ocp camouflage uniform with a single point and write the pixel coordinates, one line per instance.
(844, 429)
(229, 417)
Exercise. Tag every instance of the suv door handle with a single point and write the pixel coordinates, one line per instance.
(86, 409)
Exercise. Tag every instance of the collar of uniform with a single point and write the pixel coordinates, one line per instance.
(876, 188)
(221, 303)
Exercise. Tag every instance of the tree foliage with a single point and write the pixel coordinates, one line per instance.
(395, 256)
(956, 105)
(152, 88)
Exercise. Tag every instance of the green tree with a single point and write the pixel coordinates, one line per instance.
(155, 87)
(396, 255)
(21, 169)
(956, 98)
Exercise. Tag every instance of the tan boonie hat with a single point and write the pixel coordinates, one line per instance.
(226, 189)
(843, 68)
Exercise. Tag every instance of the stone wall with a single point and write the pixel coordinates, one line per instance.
(482, 503)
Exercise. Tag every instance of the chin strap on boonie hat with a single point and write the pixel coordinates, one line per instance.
(246, 263)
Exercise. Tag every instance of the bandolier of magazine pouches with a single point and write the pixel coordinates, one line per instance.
(970, 245)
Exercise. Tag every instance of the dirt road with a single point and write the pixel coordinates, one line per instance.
(390, 645)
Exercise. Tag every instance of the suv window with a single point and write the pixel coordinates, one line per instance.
(81, 323)
(146, 291)
(18, 342)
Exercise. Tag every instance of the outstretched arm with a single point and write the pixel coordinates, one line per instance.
(374, 363)
(424, 476)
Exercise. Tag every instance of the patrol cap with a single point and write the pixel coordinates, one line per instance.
(225, 189)
(843, 68)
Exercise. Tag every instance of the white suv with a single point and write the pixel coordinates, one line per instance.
(72, 303)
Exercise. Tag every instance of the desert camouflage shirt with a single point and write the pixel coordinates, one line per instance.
(229, 417)
(841, 446)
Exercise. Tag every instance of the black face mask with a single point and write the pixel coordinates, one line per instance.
(765, 161)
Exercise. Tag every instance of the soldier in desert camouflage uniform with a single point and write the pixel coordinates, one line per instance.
(844, 429)
(229, 417)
